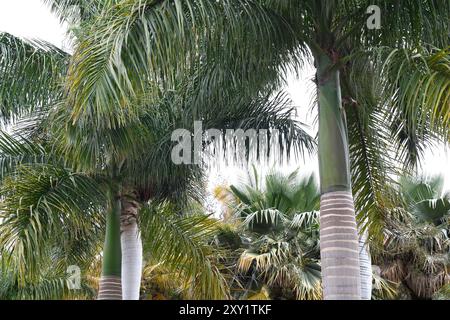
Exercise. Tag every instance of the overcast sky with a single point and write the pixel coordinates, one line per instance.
(31, 19)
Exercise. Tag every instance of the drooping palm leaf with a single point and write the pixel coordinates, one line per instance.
(181, 244)
(30, 75)
(47, 208)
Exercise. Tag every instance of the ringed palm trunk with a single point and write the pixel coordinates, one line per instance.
(110, 282)
(366, 266)
(338, 230)
(131, 250)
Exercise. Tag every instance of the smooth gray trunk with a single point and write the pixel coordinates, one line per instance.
(366, 266)
(131, 251)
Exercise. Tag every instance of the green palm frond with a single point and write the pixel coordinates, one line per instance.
(261, 218)
(372, 162)
(289, 194)
(69, 10)
(179, 111)
(90, 148)
(433, 210)
(282, 248)
(417, 95)
(181, 244)
(337, 23)
(277, 265)
(305, 220)
(268, 111)
(409, 24)
(51, 285)
(113, 66)
(425, 199)
(384, 139)
(49, 208)
(305, 193)
(416, 189)
(18, 150)
(30, 75)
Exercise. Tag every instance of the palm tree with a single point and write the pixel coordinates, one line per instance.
(161, 174)
(322, 7)
(287, 32)
(277, 219)
(149, 166)
(160, 177)
(415, 251)
(109, 118)
(335, 53)
(188, 253)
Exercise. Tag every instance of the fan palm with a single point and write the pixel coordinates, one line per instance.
(278, 223)
(284, 33)
(416, 246)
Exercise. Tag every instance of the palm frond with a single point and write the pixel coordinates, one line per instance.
(49, 210)
(424, 198)
(51, 285)
(113, 67)
(271, 217)
(372, 165)
(417, 95)
(70, 10)
(305, 220)
(18, 150)
(409, 24)
(383, 288)
(30, 75)
(181, 244)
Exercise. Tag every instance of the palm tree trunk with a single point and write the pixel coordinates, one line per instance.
(366, 266)
(338, 232)
(131, 251)
(110, 281)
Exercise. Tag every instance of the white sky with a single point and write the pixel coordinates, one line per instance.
(31, 19)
